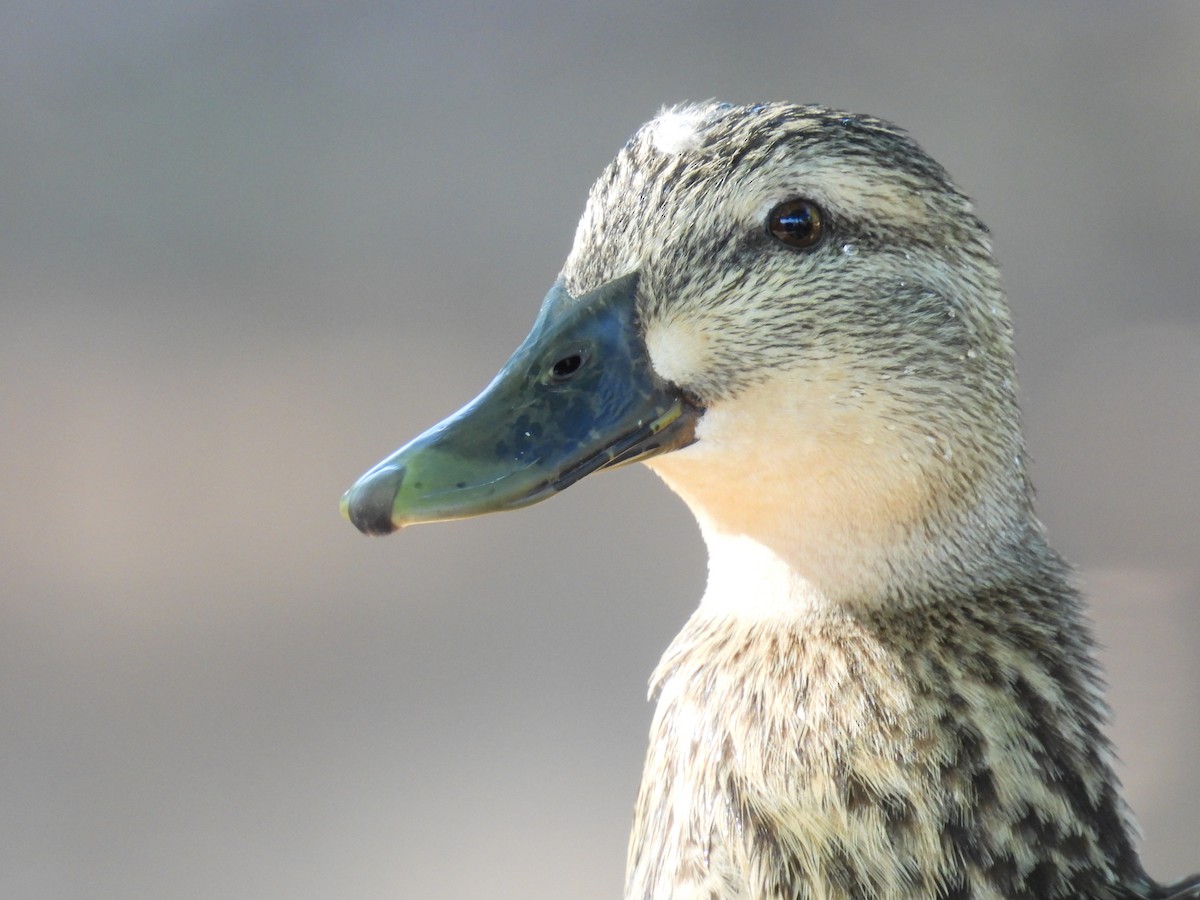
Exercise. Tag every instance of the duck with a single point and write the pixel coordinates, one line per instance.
(889, 688)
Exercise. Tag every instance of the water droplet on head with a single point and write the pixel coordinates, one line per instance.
(849, 249)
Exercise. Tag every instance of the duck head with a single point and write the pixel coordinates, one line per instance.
(794, 317)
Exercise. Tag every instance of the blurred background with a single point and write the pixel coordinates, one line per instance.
(249, 248)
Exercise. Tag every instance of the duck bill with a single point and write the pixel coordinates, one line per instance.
(578, 395)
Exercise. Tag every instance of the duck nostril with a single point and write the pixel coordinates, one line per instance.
(566, 367)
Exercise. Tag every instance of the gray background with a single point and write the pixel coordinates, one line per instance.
(248, 249)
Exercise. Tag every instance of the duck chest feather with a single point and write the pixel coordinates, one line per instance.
(951, 750)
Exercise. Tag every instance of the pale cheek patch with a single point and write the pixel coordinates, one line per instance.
(679, 351)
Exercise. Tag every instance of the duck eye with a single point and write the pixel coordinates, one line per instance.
(796, 223)
(566, 367)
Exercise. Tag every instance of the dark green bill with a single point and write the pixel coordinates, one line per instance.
(578, 395)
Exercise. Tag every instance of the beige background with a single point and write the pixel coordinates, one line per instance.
(249, 248)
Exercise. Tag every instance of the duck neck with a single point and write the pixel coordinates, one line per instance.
(789, 562)
(747, 579)
(851, 513)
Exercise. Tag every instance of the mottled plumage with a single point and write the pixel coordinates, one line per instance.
(889, 689)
